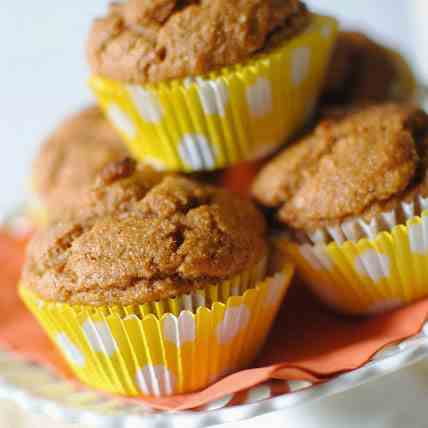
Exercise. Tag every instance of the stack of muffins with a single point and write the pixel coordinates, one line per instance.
(151, 281)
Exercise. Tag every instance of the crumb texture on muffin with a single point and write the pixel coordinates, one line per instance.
(147, 41)
(361, 70)
(144, 237)
(362, 162)
(71, 158)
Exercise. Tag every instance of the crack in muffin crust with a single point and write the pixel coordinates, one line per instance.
(146, 41)
(141, 236)
(362, 161)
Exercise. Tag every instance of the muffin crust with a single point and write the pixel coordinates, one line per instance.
(138, 241)
(362, 162)
(360, 71)
(72, 156)
(147, 41)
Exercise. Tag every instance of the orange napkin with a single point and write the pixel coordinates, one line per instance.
(307, 343)
(239, 178)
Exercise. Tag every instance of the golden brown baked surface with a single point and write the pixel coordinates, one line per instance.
(72, 156)
(140, 241)
(147, 41)
(361, 70)
(362, 163)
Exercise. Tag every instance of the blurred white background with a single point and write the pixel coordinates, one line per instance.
(43, 74)
(43, 77)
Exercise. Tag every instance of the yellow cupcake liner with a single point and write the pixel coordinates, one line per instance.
(238, 113)
(169, 347)
(371, 275)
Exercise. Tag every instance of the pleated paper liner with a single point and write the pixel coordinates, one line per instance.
(366, 268)
(170, 347)
(238, 113)
(357, 228)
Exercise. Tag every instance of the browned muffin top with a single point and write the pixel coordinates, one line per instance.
(139, 241)
(70, 159)
(360, 70)
(144, 41)
(361, 163)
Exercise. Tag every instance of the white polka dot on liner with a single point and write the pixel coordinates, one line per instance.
(326, 31)
(234, 321)
(70, 350)
(316, 256)
(259, 97)
(99, 337)
(147, 104)
(275, 287)
(373, 264)
(179, 330)
(156, 380)
(121, 121)
(214, 96)
(300, 65)
(195, 151)
(418, 238)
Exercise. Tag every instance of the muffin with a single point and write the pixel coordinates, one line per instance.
(203, 85)
(362, 71)
(352, 195)
(69, 161)
(158, 287)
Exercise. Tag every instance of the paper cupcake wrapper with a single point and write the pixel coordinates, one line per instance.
(378, 267)
(357, 228)
(129, 351)
(239, 113)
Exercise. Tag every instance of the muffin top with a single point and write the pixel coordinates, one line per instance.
(360, 163)
(72, 156)
(143, 236)
(361, 70)
(147, 41)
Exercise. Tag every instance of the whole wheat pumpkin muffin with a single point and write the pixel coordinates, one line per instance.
(71, 158)
(142, 237)
(147, 41)
(353, 197)
(361, 163)
(362, 70)
(160, 274)
(165, 71)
